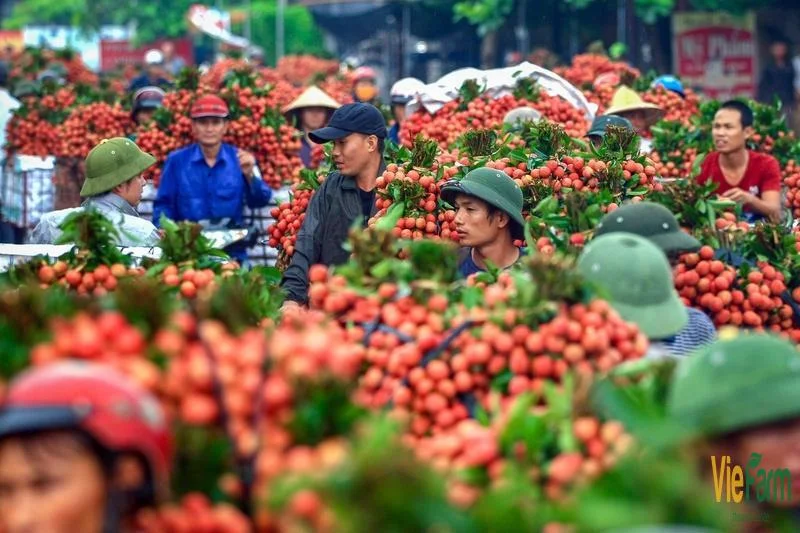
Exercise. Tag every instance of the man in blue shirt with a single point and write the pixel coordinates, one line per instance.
(488, 206)
(210, 180)
(152, 75)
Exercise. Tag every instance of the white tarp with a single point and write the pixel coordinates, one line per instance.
(216, 24)
(13, 253)
(499, 82)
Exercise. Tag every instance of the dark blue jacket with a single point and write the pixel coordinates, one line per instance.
(305, 152)
(394, 133)
(143, 81)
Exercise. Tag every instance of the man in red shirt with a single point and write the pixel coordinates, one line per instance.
(748, 178)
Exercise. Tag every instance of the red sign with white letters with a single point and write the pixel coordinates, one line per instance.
(716, 52)
(114, 53)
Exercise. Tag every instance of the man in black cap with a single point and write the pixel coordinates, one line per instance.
(358, 132)
(145, 103)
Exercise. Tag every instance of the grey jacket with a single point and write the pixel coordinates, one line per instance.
(329, 216)
(133, 230)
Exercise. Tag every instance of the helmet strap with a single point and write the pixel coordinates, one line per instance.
(122, 503)
(113, 514)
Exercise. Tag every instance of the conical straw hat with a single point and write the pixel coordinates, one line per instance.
(312, 97)
(626, 99)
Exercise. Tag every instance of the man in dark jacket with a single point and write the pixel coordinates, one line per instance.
(152, 76)
(358, 132)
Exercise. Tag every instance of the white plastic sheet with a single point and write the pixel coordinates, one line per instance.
(216, 24)
(13, 253)
(497, 83)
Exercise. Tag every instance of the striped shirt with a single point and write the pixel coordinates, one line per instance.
(698, 332)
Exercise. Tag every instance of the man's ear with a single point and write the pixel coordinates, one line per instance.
(503, 220)
(749, 131)
(129, 473)
(372, 143)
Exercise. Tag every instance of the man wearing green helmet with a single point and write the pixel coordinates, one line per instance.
(652, 221)
(516, 119)
(637, 278)
(600, 125)
(488, 206)
(113, 186)
(738, 400)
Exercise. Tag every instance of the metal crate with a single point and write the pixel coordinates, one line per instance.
(27, 191)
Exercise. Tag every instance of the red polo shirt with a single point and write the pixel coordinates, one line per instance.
(763, 174)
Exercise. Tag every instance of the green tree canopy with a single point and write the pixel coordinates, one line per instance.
(301, 34)
(489, 15)
(153, 18)
(156, 19)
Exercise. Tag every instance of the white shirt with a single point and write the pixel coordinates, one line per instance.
(133, 230)
(7, 106)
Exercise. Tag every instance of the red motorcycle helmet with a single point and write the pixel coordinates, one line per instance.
(116, 413)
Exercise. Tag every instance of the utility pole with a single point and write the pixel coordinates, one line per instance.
(247, 25)
(217, 45)
(406, 39)
(523, 41)
(279, 30)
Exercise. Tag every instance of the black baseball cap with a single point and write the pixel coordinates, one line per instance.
(351, 118)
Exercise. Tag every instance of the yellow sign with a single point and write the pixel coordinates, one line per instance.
(11, 39)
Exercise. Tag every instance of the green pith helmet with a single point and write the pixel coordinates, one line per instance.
(637, 276)
(494, 187)
(652, 221)
(26, 88)
(57, 68)
(517, 117)
(601, 123)
(113, 162)
(738, 383)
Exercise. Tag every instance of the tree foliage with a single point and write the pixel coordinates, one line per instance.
(486, 15)
(490, 15)
(155, 19)
(302, 36)
(82, 14)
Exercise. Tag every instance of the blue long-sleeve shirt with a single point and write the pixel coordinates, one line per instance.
(191, 190)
